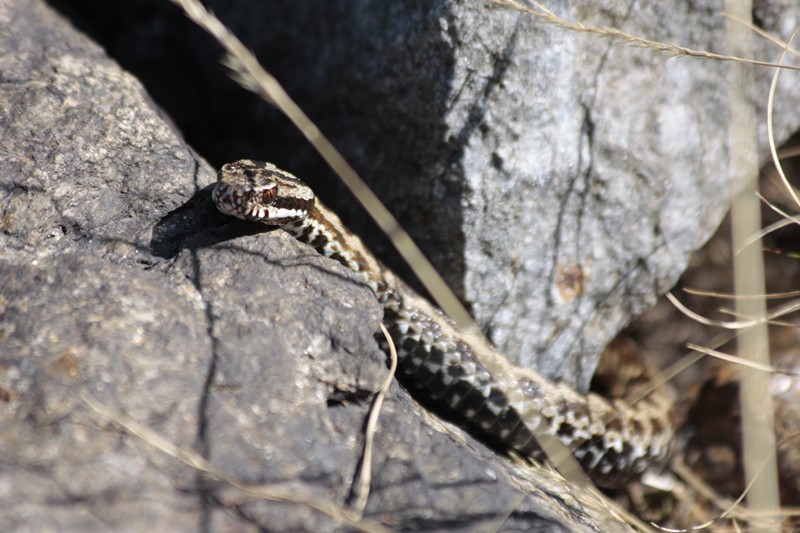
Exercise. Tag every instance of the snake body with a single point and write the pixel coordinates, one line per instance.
(469, 381)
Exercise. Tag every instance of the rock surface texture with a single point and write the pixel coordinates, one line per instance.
(561, 179)
(558, 180)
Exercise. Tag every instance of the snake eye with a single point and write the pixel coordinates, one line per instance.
(268, 195)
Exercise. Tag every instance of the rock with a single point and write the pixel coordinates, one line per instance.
(120, 282)
(558, 180)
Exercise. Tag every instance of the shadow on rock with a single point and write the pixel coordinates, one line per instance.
(198, 224)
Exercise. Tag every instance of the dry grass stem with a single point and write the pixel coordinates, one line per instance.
(787, 220)
(725, 296)
(619, 513)
(583, 491)
(771, 228)
(730, 509)
(741, 324)
(783, 310)
(665, 376)
(761, 33)
(727, 507)
(769, 321)
(363, 477)
(735, 359)
(770, 130)
(673, 50)
(277, 493)
(757, 413)
(789, 152)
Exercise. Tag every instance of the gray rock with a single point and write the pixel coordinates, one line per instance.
(120, 281)
(558, 180)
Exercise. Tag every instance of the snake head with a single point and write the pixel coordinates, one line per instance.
(252, 190)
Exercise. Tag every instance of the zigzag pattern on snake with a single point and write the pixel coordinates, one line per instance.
(469, 381)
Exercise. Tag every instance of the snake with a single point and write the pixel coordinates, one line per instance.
(465, 380)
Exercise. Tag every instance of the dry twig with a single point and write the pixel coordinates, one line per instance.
(361, 482)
